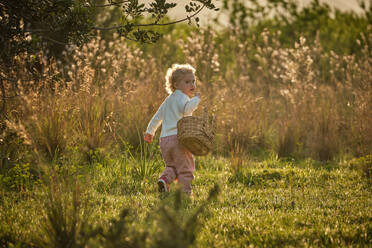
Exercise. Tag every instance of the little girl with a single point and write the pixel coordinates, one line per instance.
(179, 162)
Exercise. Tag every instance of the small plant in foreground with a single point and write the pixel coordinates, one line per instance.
(120, 233)
(176, 231)
(63, 225)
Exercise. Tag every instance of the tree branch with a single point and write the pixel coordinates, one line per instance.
(120, 26)
(46, 37)
(128, 38)
(35, 30)
(110, 4)
(55, 41)
(151, 24)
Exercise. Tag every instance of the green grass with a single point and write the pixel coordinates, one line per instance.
(266, 203)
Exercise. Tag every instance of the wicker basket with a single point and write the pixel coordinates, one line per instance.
(197, 133)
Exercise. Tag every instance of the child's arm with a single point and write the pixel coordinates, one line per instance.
(153, 125)
(192, 105)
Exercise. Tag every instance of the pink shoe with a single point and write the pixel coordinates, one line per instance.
(163, 186)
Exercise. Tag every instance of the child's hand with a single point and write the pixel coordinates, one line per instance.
(197, 94)
(148, 138)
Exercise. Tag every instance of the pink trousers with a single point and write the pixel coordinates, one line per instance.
(179, 163)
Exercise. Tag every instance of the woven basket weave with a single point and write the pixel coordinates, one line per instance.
(197, 133)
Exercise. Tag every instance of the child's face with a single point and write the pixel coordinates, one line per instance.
(187, 84)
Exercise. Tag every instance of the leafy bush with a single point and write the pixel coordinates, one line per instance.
(19, 177)
(336, 30)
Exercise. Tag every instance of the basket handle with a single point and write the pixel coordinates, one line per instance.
(210, 132)
(205, 114)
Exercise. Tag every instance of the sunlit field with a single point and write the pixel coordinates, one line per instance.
(292, 158)
(270, 202)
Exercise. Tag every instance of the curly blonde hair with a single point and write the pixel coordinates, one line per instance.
(174, 74)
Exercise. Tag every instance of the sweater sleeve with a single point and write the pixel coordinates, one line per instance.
(156, 120)
(190, 106)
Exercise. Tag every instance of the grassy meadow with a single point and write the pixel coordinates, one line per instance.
(292, 162)
(263, 203)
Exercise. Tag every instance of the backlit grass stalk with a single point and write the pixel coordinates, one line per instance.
(146, 161)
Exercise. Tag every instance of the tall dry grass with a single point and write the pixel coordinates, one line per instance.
(296, 101)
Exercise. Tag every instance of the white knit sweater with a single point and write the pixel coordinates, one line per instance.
(174, 107)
